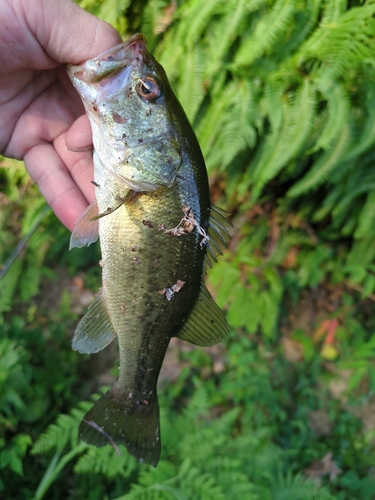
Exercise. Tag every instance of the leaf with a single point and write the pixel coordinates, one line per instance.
(296, 125)
(356, 378)
(324, 166)
(15, 464)
(368, 285)
(266, 33)
(190, 89)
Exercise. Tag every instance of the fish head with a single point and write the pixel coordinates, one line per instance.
(127, 97)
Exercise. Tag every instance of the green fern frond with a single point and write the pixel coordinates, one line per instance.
(342, 44)
(235, 135)
(111, 11)
(366, 138)
(328, 205)
(366, 221)
(266, 33)
(333, 9)
(170, 53)
(64, 431)
(296, 487)
(324, 166)
(8, 286)
(338, 111)
(297, 123)
(272, 102)
(139, 492)
(57, 435)
(307, 15)
(190, 89)
(224, 33)
(363, 251)
(210, 126)
(198, 405)
(153, 21)
(199, 16)
(200, 485)
(106, 462)
(346, 202)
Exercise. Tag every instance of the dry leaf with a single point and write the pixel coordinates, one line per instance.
(292, 350)
(322, 467)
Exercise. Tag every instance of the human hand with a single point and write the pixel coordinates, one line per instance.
(40, 112)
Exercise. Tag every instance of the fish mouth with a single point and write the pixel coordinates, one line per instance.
(110, 71)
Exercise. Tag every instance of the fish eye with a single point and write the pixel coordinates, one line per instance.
(148, 88)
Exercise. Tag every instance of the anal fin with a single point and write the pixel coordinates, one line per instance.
(206, 324)
(95, 330)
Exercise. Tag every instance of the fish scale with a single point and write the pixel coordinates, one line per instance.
(135, 263)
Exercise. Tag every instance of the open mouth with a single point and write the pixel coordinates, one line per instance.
(110, 72)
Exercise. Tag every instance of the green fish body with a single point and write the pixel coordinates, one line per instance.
(158, 234)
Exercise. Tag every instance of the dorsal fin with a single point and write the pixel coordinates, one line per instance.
(206, 324)
(95, 330)
(86, 230)
(218, 228)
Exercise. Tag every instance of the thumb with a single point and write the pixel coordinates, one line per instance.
(67, 33)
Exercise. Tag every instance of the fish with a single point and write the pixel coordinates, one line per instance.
(158, 233)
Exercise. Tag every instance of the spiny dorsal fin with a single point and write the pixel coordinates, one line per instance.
(95, 330)
(86, 230)
(206, 324)
(219, 236)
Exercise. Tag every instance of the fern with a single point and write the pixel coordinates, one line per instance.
(338, 113)
(278, 97)
(266, 33)
(297, 121)
(324, 166)
(202, 459)
(191, 87)
(155, 21)
(200, 15)
(333, 10)
(238, 135)
(294, 488)
(223, 33)
(342, 43)
(209, 128)
(64, 431)
(367, 218)
(106, 462)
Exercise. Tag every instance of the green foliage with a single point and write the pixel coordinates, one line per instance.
(18, 197)
(280, 90)
(202, 459)
(281, 95)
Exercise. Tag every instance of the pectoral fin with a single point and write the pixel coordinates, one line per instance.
(110, 210)
(206, 324)
(86, 230)
(95, 330)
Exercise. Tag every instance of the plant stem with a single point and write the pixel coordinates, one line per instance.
(54, 469)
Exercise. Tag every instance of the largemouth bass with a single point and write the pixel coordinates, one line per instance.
(158, 235)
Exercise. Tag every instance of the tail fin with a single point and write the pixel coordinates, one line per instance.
(122, 417)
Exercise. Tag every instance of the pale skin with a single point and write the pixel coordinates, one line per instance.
(41, 115)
